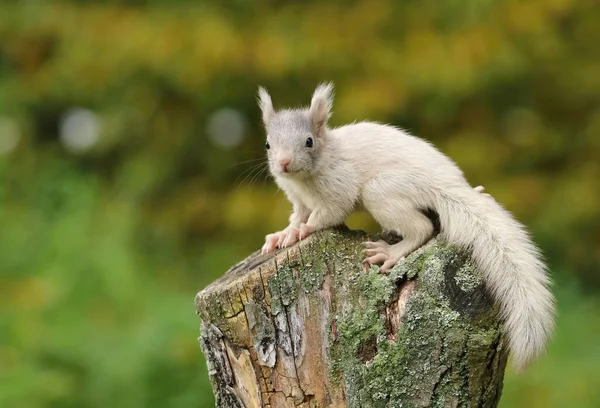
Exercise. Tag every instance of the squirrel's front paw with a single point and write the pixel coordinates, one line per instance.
(272, 242)
(281, 239)
(290, 237)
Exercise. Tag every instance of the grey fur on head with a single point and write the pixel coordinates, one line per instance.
(319, 111)
(289, 131)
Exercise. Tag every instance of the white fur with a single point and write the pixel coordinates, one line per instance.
(395, 176)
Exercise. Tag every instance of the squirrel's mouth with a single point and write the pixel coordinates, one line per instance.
(287, 169)
(291, 172)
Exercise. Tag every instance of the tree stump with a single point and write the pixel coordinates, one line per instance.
(313, 327)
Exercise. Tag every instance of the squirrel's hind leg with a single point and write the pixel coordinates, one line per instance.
(413, 237)
(395, 212)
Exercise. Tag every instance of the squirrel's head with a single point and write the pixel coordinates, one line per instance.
(295, 137)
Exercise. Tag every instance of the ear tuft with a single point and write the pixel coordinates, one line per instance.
(320, 106)
(266, 105)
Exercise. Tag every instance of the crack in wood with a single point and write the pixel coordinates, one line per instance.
(265, 291)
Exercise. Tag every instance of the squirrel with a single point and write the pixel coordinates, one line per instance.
(398, 177)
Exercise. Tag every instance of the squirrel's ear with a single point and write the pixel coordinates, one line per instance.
(266, 105)
(320, 106)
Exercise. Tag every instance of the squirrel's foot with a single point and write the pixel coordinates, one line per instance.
(381, 252)
(272, 242)
(290, 237)
(281, 239)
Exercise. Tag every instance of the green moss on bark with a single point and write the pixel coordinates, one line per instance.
(433, 358)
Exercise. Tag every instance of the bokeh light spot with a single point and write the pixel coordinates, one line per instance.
(10, 135)
(226, 128)
(79, 130)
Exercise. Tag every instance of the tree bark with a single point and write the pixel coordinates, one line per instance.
(313, 327)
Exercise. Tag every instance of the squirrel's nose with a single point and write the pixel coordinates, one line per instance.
(285, 162)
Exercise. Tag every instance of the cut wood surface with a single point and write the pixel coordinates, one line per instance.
(311, 326)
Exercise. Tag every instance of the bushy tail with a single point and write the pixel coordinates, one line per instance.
(511, 265)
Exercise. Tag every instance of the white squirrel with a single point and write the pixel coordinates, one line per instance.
(325, 172)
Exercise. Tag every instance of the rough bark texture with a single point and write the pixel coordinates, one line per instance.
(311, 327)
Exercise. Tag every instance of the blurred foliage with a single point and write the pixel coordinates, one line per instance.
(103, 248)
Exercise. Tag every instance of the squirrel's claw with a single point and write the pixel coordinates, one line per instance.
(281, 239)
(271, 243)
(290, 238)
(375, 259)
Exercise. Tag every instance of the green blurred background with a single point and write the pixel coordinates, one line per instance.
(129, 132)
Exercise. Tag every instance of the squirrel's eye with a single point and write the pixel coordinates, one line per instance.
(309, 142)
(267, 145)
